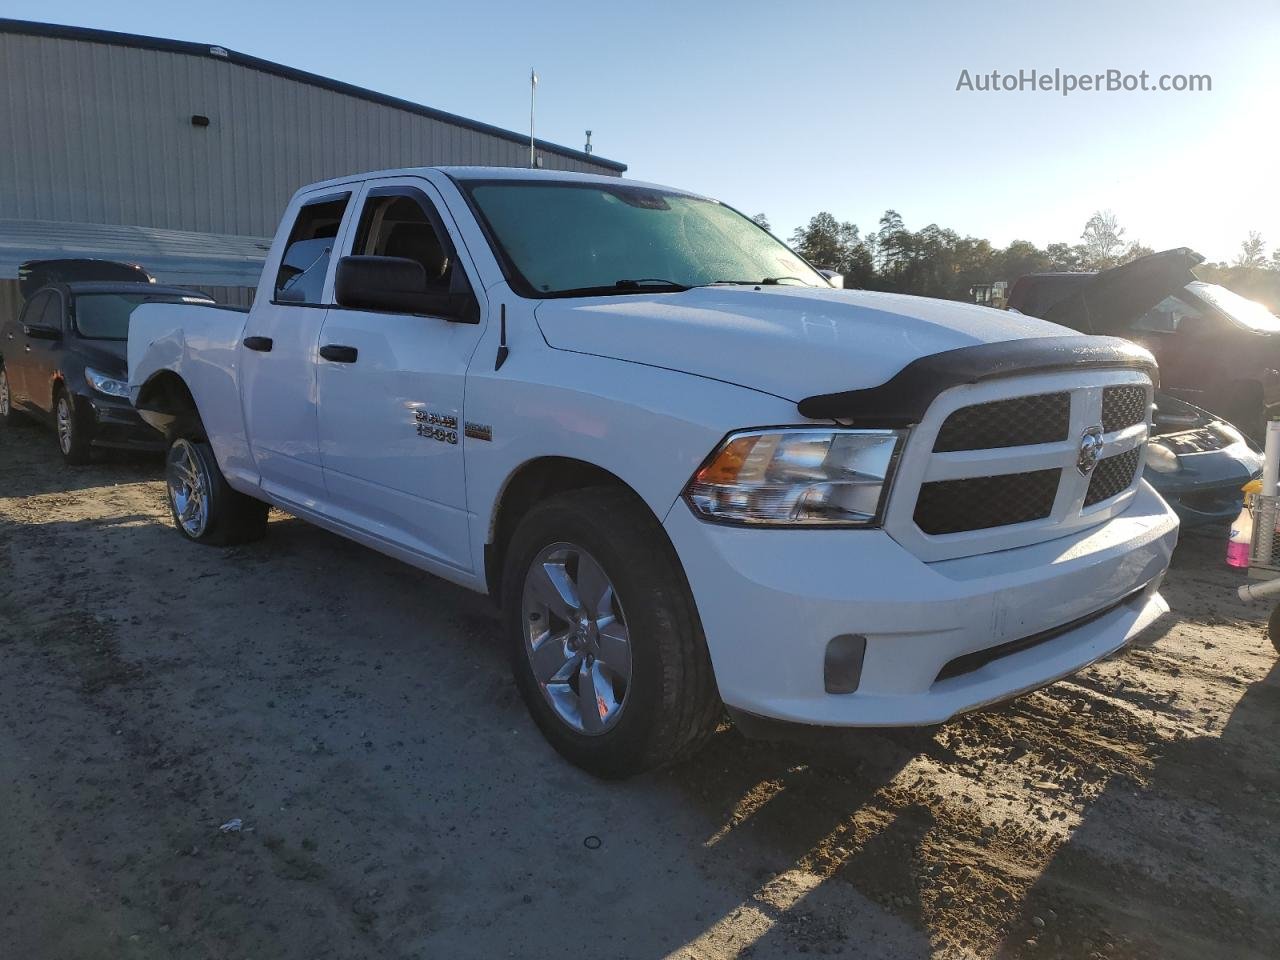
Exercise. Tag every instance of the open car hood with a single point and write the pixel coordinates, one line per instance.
(1116, 296)
(35, 274)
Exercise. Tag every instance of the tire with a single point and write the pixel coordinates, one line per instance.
(662, 704)
(9, 414)
(204, 507)
(74, 441)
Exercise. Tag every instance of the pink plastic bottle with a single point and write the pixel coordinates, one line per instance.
(1240, 538)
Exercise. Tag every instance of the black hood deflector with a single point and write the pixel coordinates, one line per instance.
(904, 399)
(1116, 297)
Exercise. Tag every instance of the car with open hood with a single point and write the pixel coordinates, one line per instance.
(63, 358)
(693, 474)
(1216, 349)
(1198, 460)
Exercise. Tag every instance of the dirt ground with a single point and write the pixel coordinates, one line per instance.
(396, 801)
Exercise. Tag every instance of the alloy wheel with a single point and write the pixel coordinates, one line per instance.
(65, 424)
(188, 488)
(576, 638)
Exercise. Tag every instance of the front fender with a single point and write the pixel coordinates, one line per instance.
(648, 426)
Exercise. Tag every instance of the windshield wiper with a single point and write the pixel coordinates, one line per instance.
(766, 282)
(650, 283)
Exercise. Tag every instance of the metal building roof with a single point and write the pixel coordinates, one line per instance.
(171, 256)
(215, 52)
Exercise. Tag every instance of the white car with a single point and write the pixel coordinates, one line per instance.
(693, 474)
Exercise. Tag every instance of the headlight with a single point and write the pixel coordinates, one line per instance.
(1226, 432)
(1161, 459)
(104, 384)
(797, 477)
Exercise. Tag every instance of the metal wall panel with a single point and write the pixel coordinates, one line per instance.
(102, 133)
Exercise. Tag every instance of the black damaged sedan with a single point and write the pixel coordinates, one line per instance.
(63, 362)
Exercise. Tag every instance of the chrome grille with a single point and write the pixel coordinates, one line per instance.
(1016, 422)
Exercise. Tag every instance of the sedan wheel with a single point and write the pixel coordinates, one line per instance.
(74, 438)
(66, 425)
(576, 638)
(188, 489)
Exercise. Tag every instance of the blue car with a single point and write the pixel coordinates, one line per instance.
(1198, 462)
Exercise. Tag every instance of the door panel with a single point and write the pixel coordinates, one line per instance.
(278, 354)
(391, 421)
(17, 356)
(43, 357)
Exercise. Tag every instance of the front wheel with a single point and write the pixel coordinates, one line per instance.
(73, 439)
(604, 639)
(204, 507)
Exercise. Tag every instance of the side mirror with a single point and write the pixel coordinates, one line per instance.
(834, 277)
(397, 284)
(40, 331)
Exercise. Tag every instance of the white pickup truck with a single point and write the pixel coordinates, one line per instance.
(692, 473)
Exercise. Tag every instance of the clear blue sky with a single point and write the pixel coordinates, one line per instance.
(850, 109)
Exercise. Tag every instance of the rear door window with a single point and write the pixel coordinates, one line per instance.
(34, 309)
(305, 264)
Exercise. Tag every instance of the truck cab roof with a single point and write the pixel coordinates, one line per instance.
(471, 173)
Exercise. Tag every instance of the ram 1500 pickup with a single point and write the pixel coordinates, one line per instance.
(692, 473)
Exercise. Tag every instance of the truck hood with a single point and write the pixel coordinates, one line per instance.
(792, 342)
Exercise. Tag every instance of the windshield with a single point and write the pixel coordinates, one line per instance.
(105, 316)
(589, 238)
(1248, 313)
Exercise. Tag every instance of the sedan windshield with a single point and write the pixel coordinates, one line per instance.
(566, 238)
(105, 316)
(1247, 313)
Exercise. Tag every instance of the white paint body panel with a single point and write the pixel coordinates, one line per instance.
(790, 341)
(645, 386)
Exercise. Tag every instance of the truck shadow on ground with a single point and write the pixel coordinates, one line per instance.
(370, 698)
(1198, 875)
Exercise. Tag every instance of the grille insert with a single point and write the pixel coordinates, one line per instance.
(978, 503)
(1043, 418)
(1112, 476)
(1123, 407)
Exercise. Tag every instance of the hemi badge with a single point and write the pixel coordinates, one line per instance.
(479, 431)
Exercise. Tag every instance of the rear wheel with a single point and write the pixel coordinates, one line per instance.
(604, 639)
(8, 415)
(73, 439)
(204, 507)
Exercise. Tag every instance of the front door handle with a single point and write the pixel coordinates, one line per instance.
(338, 353)
(261, 344)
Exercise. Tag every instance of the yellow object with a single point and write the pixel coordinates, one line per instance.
(1253, 486)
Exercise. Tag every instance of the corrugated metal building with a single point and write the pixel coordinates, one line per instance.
(195, 149)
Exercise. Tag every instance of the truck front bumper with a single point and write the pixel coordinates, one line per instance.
(940, 638)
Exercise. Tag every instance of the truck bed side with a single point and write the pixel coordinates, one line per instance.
(198, 346)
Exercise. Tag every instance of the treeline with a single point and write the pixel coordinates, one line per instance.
(938, 262)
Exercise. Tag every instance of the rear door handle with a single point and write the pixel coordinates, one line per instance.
(261, 344)
(338, 353)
